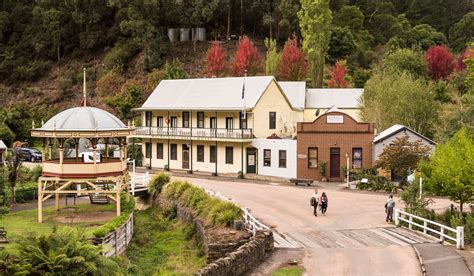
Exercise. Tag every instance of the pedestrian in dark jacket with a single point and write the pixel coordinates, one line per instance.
(314, 202)
(323, 202)
(389, 206)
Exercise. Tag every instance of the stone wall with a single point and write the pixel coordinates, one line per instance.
(233, 256)
(245, 258)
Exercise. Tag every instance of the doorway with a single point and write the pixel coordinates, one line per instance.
(335, 163)
(251, 160)
(185, 156)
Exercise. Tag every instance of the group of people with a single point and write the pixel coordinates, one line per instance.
(322, 202)
(319, 201)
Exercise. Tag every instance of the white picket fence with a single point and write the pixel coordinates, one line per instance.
(457, 235)
(251, 223)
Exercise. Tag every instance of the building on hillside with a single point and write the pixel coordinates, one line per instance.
(319, 100)
(388, 137)
(3, 153)
(337, 139)
(221, 125)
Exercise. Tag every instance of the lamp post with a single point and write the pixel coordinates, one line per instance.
(347, 169)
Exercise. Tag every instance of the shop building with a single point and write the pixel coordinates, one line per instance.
(335, 138)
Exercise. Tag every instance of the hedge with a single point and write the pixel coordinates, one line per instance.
(212, 210)
(126, 208)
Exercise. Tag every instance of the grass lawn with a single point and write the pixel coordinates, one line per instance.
(289, 271)
(21, 223)
(162, 247)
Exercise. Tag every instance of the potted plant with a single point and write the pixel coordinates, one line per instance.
(322, 170)
(166, 167)
(240, 175)
(344, 172)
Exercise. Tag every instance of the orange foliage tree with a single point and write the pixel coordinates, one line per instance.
(293, 65)
(215, 60)
(338, 75)
(246, 58)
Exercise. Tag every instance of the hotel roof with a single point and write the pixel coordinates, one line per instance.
(329, 97)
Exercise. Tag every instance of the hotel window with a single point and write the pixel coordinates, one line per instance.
(200, 153)
(357, 158)
(267, 158)
(200, 117)
(312, 157)
(282, 158)
(148, 150)
(159, 121)
(148, 118)
(272, 120)
(174, 152)
(159, 150)
(185, 119)
(229, 122)
(212, 154)
(174, 121)
(243, 120)
(229, 155)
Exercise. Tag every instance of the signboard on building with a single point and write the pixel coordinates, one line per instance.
(335, 119)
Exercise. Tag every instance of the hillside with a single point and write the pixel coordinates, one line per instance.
(124, 46)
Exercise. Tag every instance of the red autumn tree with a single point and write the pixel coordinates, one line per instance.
(293, 65)
(440, 62)
(468, 53)
(246, 58)
(338, 75)
(215, 60)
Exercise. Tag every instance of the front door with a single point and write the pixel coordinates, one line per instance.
(335, 165)
(213, 124)
(251, 160)
(185, 156)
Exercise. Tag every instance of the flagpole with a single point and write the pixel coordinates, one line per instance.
(244, 115)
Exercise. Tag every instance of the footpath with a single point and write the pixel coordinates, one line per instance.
(439, 260)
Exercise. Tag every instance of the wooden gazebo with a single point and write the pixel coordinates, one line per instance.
(86, 172)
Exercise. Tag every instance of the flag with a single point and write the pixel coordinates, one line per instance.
(243, 100)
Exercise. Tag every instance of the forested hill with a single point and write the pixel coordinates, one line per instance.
(44, 45)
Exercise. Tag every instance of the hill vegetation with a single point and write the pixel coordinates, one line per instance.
(411, 54)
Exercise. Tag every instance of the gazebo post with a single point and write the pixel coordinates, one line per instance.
(107, 149)
(121, 148)
(94, 150)
(40, 201)
(125, 148)
(76, 144)
(43, 150)
(56, 196)
(50, 149)
(117, 194)
(61, 151)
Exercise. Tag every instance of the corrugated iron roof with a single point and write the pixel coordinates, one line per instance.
(207, 93)
(395, 129)
(295, 92)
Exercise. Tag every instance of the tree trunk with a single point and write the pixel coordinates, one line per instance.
(461, 202)
(14, 194)
(229, 20)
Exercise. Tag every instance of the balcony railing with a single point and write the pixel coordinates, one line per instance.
(195, 132)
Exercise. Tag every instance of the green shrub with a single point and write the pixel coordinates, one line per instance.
(126, 208)
(4, 210)
(212, 210)
(174, 70)
(121, 54)
(469, 229)
(157, 182)
(63, 252)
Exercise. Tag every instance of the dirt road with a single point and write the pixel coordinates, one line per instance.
(352, 239)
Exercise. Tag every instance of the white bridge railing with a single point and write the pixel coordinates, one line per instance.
(141, 180)
(250, 222)
(457, 235)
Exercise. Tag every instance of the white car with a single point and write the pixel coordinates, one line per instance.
(88, 157)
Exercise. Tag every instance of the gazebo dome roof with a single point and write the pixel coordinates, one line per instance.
(83, 118)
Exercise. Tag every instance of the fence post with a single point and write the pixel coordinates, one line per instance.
(425, 224)
(410, 226)
(397, 215)
(441, 237)
(460, 237)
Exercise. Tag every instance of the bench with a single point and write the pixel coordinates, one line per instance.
(297, 181)
(3, 235)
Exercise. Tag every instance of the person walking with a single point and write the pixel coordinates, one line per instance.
(314, 202)
(389, 205)
(323, 202)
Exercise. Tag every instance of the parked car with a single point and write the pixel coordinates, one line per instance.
(32, 155)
